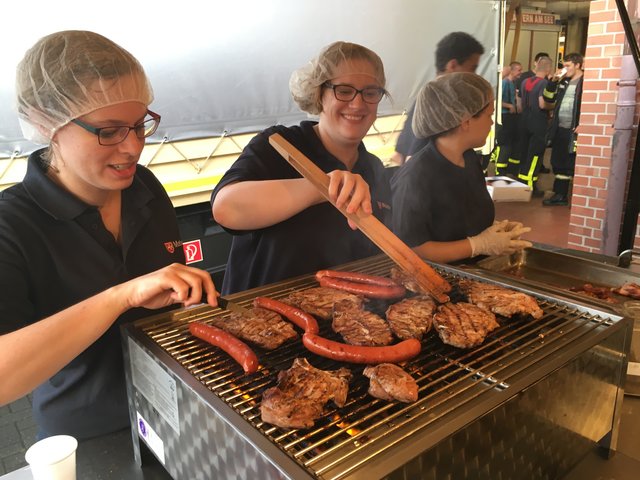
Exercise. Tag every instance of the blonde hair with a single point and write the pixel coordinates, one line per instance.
(306, 83)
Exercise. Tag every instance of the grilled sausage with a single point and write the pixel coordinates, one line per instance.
(366, 289)
(357, 277)
(236, 348)
(296, 316)
(360, 354)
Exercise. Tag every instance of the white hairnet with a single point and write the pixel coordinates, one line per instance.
(306, 83)
(68, 74)
(444, 103)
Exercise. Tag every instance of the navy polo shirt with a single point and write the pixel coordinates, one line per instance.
(316, 238)
(55, 252)
(435, 200)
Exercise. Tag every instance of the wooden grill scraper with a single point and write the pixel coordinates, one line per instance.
(373, 228)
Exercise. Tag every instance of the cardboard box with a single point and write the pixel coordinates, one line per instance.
(506, 189)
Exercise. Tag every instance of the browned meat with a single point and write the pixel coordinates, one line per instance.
(601, 293)
(500, 300)
(262, 327)
(406, 280)
(319, 301)
(301, 394)
(463, 325)
(411, 317)
(283, 410)
(360, 327)
(409, 282)
(390, 382)
(629, 289)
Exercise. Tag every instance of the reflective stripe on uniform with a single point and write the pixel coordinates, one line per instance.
(529, 178)
(514, 161)
(560, 176)
(548, 96)
(495, 154)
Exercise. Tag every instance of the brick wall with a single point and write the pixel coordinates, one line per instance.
(603, 58)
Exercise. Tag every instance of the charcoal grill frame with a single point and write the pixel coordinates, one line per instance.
(481, 392)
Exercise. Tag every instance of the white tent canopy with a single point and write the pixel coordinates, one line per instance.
(224, 66)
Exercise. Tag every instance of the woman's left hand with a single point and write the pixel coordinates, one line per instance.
(349, 191)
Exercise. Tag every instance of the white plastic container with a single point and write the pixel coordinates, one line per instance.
(53, 458)
(505, 189)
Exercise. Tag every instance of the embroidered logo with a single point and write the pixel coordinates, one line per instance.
(193, 251)
(171, 246)
(382, 205)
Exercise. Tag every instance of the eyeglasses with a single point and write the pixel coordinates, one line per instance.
(346, 93)
(114, 135)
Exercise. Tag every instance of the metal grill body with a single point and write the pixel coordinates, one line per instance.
(529, 402)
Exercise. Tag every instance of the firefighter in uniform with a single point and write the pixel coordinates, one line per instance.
(506, 155)
(536, 100)
(567, 96)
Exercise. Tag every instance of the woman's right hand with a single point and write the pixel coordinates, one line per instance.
(349, 191)
(175, 283)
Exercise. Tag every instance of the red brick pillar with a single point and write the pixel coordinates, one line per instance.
(605, 45)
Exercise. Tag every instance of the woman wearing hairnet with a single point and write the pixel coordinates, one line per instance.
(85, 237)
(441, 206)
(282, 225)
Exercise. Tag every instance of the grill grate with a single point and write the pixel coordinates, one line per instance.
(347, 437)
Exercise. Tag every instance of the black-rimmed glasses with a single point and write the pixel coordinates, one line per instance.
(113, 135)
(346, 93)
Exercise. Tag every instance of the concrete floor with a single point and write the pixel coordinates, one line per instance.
(549, 225)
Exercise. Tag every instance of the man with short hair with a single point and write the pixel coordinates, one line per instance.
(507, 157)
(530, 73)
(455, 52)
(518, 83)
(536, 100)
(567, 92)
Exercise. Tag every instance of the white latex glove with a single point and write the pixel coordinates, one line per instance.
(508, 225)
(497, 240)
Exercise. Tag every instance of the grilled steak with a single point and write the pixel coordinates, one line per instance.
(319, 301)
(629, 289)
(601, 293)
(500, 300)
(390, 382)
(262, 327)
(463, 325)
(406, 280)
(360, 327)
(283, 410)
(301, 394)
(411, 317)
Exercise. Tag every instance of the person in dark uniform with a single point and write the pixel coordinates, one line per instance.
(282, 225)
(86, 239)
(567, 89)
(536, 100)
(455, 52)
(518, 85)
(441, 206)
(507, 161)
(531, 72)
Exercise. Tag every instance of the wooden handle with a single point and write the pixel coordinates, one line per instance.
(373, 228)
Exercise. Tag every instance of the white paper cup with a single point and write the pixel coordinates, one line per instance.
(53, 458)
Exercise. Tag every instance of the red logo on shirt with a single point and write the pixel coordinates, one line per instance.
(171, 246)
(192, 251)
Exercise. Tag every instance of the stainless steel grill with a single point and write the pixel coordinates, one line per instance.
(373, 438)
